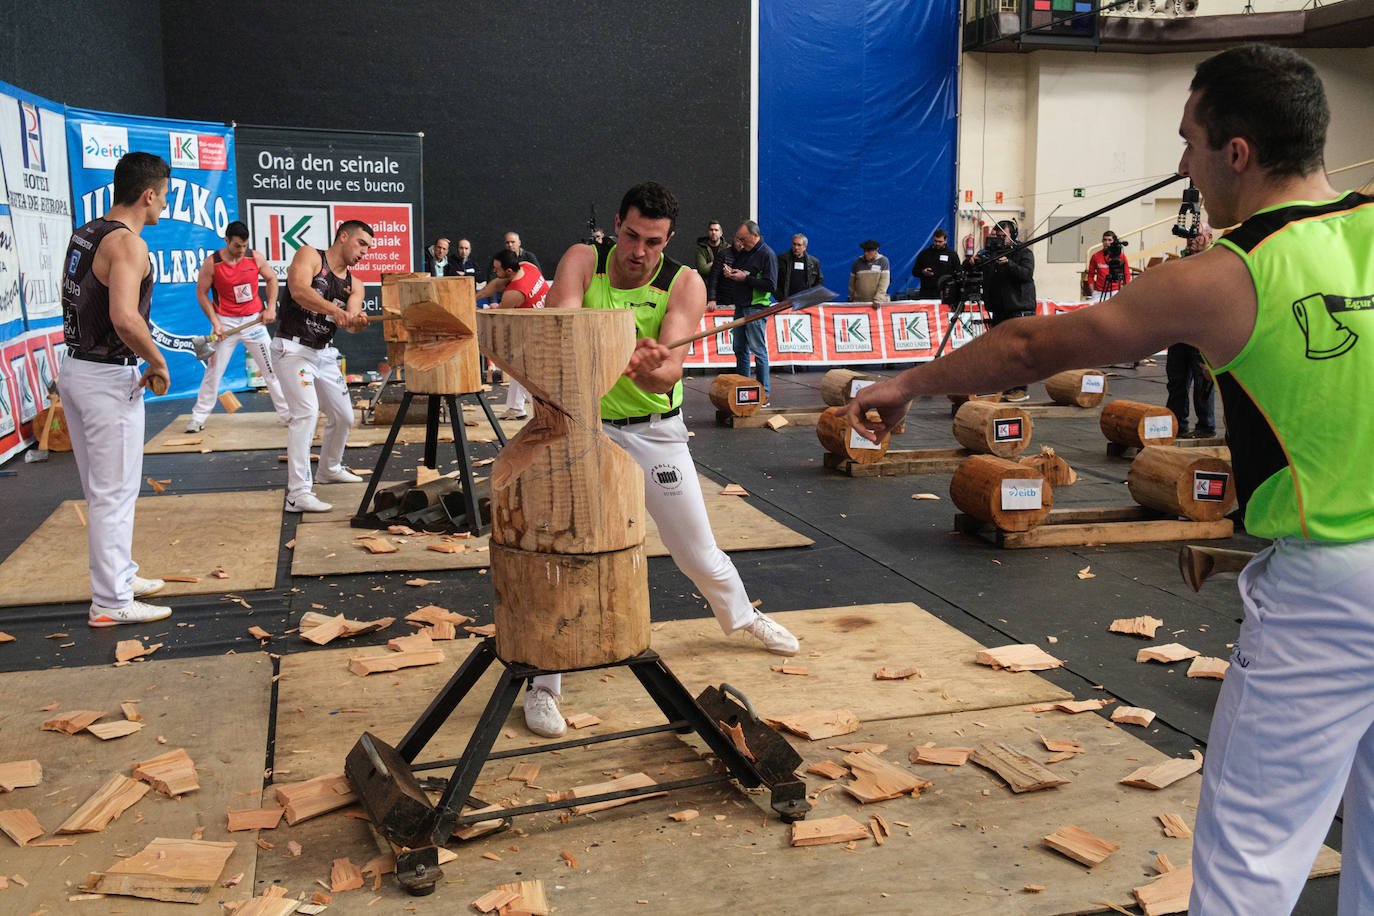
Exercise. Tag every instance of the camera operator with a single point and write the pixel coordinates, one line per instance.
(1008, 283)
(1108, 270)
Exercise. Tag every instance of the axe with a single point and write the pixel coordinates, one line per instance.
(802, 300)
(1197, 563)
(201, 344)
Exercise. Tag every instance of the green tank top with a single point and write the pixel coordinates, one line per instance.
(1300, 431)
(649, 304)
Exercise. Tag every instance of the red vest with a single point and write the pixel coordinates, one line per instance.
(533, 285)
(236, 286)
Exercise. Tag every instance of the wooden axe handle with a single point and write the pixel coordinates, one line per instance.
(771, 310)
(1196, 563)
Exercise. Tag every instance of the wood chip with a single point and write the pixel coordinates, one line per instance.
(313, 797)
(418, 583)
(1137, 626)
(129, 649)
(1021, 657)
(5, 637)
(20, 825)
(819, 831)
(486, 629)
(1175, 825)
(775, 422)
(433, 614)
(363, 665)
(377, 544)
(828, 769)
(1168, 893)
(259, 633)
(799, 670)
(1059, 746)
(941, 756)
(630, 781)
(568, 858)
(172, 773)
(1074, 707)
(825, 723)
(72, 722)
(159, 487)
(254, 818)
(685, 814)
(1133, 715)
(524, 772)
(109, 802)
(877, 780)
(1021, 773)
(1168, 654)
(1080, 845)
(495, 900)
(447, 547)
(1206, 666)
(733, 489)
(924, 496)
(1160, 775)
(894, 674)
(344, 876)
(18, 774)
(178, 871)
(108, 731)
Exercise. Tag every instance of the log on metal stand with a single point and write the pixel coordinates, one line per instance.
(992, 429)
(837, 385)
(1132, 424)
(839, 438)
(394, 332)
(1078, 387)
(993, 489)
(1182, 482)
(736, 395)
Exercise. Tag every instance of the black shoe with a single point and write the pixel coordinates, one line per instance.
(1015, 394)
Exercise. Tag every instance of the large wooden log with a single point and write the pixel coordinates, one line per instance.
(394, 332)
(837, 385)
(1182, 482)
(1135, 425)
(992, 429)
(1078, 387)
(450, 307)
(737, 395)
(1008, 494)
(563, 611)
(839, 438)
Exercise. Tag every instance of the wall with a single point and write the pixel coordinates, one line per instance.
(529, 118)
(87, 53)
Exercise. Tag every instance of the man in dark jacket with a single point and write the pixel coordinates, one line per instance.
(1008, 283)
(437, 261)
(797, 270)
(709, 247)
(934, 264)
(745, 276)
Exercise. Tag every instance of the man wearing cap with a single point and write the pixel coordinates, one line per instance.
(869, 275)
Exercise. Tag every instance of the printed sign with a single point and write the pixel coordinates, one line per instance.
(1210, 486)
(853, 333)
(1159, 427)
(1007, 429)
(858, 441)
(725, 340)
(859, 384)
(102, 145)
(748, 394)
(794, 333)
(911, 331)
(1094, 383)
(1022, 494)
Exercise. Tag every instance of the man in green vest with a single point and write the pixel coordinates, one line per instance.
(1281, 309)
(642, 413)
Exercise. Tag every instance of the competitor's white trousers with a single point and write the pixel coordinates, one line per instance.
(311, 382)
(672, 494)
(104, 409)
(256, 341)
(1292, 734)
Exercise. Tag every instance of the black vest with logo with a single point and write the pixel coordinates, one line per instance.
(86, 325)
(311, 328)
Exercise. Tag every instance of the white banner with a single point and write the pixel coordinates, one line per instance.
(11, 308)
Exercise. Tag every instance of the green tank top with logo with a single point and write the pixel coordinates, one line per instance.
(1300, 431)
(649, 303)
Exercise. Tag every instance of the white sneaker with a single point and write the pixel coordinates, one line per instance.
(307, 502)
(772, 634)
(133, 612)
(194, 426)
(541, 713)
(512, 414)
(145, 587)
(340, 474)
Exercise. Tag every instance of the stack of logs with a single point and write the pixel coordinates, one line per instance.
(568, 517)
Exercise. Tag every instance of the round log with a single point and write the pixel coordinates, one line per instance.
(53, 420)
(835, 385)
(977, 489)
(992, 429)
(1134, 424)
(444, 323)
(839, 438)
(957, 399)
(1182, 482)
(1056, 470)
(738, 395)
(1077, 387)
(560, 612)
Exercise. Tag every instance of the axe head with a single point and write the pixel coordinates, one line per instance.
(808, 297)
(202, 346)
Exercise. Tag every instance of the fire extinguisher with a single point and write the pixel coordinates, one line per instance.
(968, 245)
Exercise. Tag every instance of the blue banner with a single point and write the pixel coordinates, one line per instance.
(202, 199)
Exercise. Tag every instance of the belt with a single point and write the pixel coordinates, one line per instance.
(108, 360)
(305, 344)
(628, 421)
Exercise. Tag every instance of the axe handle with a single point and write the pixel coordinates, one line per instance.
(771, 310)
(243, 327)
(1197, 563)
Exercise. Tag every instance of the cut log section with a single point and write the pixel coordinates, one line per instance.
(837, 386)
(172, 773)
(1161, 775)
(177, 871)
(1020, 657)
(840, 439)
(992, 429)
(737, 395)
(1077, 387)
(1080, 845)
(1005, 493)
(1182, 482)
(1054, 469)
(819, 831)
(440, 316)
(1021, 773)
(1132, 424)
(109, 802)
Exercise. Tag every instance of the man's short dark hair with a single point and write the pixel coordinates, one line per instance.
(653, 201)
(136, 173)
(508, 259)
(1270, 96)
(1107, 232)
(715, 222)
(236, 230)
(939, 234)
(350, 226)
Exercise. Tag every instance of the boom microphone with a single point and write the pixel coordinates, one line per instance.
(1189, 213)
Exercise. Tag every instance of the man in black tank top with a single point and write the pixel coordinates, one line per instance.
(321, 296)
(107, 288)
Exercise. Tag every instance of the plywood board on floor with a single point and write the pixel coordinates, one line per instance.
(260, 430)
(216, 708)
(174, 534)
(327, 548)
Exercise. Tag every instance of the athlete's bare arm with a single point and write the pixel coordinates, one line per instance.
(204, 280)
(573, 277)
(653, 366)
(269, 276)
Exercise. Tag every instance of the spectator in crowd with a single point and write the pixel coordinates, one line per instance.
(745, 277)
(1008, 284)
(797, 270)
(1184, 368)
(869, 275)
(466, 266)
(512, 243)
(934, 263)
(1108, 269)
(708, 246)
(437, 261)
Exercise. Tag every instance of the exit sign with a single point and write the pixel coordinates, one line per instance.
(1077, 192)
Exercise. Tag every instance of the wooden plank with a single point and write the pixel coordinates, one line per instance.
(629, 781)
(1021, 773)
(902, 462)
(795, 416)
(175, 870)
(1117, 533)
(819, 831)
(1160, 775)
(108, 803)
(1080, 845)
(172, 773)
(1051, 410)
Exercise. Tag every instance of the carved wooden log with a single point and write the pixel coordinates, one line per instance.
(991, 428)
(736, 394)
(1182, 482)
(839, 438)
(1077, 387)
(1133, 424)
(836, 385)
(440, 315)
(394, 332)
(564, 611)
(1056, 470)
(1010, 495)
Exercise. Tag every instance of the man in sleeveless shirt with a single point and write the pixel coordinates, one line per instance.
(643, 412)
(107, 290)
(525, 288)
(231, 275)
(1289, 334)
(321, 297)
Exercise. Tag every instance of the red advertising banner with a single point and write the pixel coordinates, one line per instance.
(27, 364)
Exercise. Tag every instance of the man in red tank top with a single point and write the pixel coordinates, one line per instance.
(232, 274)
(525, 288)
